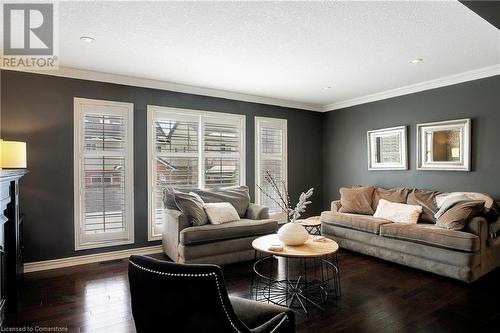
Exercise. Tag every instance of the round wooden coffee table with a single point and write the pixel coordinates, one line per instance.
(298, 276)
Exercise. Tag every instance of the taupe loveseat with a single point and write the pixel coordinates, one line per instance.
(464, 255)
(218, 244)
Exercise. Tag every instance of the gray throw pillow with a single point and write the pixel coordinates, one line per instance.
(169, 198)
(237, 196)
(192, 207)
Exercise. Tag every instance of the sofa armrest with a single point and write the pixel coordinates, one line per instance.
(336, 205)
(257, 212)
(479, 227)
(173, 223)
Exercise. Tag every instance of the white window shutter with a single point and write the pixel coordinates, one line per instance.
(270, 157)
(190, 149)
(103, 173)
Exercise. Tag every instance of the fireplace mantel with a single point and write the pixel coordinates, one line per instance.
(11, 260)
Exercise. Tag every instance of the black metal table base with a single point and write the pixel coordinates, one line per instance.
(298, 283)
(313, 229)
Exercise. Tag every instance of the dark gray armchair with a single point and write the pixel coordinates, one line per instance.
(218, 244)
(169, 297)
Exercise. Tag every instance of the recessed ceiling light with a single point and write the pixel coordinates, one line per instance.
(416, 61)
(326, 88)
(87, 39)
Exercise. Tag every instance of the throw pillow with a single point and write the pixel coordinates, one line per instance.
(399, 195)
(356, 200)
(196, 196)
(237, 196)
(169, 198)
(221, 212)
(192, 207)
(459, 216)
(426, 199)
(398, 212)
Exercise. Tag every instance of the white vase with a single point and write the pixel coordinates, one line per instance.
(293, 234)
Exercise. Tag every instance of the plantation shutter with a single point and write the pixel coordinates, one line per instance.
(191, 149)
(105, 206)
(271, 158)
(222, 142)
(175, 160)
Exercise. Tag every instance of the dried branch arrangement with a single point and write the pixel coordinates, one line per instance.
(283, 197)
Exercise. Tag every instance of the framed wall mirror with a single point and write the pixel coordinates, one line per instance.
(387, 149)
(444, 145)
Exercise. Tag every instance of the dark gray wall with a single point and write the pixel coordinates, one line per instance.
(38, 109)
(344, 139)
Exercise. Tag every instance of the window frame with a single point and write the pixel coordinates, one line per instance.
(155, 112)
(277, 123)
(83, 241)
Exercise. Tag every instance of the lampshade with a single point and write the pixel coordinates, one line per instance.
(12, 155)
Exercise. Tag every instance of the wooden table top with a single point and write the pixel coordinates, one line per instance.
(311, 221)
(309, 249)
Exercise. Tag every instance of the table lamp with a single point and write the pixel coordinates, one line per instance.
(12, 155)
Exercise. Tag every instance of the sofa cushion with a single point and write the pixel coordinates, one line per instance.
(429, 234)
(397, 195)
(459, 215)
(237, 196)
(353, 221)
(356, 200)
(426, 199)
(229, 230)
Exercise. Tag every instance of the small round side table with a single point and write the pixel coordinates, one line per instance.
(298, 276)
(312, 225)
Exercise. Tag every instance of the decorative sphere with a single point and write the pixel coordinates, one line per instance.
(293, 234)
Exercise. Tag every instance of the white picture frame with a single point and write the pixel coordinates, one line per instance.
(460, 159)
(387, 148)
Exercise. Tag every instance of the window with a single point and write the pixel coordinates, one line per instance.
(103, 173)
(189, 149)
(270, 156)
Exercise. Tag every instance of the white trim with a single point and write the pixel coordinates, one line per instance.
(281, 124)
(84, 74)
(413, 88)
(199, 116)
(150, 188)
(126, 237)
(403, 165)
(89, 258)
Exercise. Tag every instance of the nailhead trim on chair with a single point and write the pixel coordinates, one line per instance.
(193, 275)
(218, 290)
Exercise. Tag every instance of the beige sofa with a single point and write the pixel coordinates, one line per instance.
(464, 255)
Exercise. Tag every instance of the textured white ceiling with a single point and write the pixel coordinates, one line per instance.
(289, 50)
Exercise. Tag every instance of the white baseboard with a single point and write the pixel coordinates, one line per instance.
(89, 258)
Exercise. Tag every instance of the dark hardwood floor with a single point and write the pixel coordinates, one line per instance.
(377, 296)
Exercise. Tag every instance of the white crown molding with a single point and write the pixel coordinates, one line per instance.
(83, 74)
(413, 88)
(88, 259)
